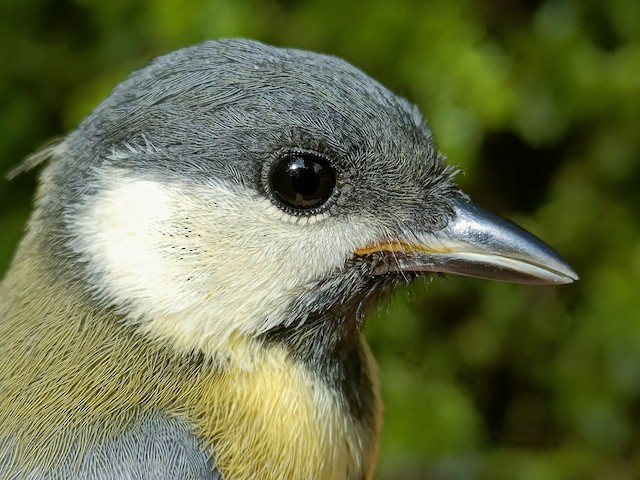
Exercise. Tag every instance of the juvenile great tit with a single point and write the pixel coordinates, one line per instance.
(189, 296)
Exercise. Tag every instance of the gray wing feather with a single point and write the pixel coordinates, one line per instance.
(159, 448)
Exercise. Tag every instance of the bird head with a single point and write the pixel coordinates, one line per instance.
(233, 189)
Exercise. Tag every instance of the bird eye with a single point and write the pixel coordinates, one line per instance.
(302, 180)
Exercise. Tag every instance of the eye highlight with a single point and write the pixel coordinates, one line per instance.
(302, 181)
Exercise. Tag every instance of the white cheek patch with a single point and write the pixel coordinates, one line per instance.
(120, 236)
(125, 227)
(200, 263)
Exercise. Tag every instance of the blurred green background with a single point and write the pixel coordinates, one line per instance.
(537, 101)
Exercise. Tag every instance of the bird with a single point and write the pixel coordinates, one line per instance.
(189, 296)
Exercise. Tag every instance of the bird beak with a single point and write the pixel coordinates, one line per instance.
(475, 243)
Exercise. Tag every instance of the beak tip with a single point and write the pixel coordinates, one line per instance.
(570, 276)
(559, 270)
(550, 268)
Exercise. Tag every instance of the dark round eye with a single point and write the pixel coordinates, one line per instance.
(301, 180)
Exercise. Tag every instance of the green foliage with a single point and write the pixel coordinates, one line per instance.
(538, 102)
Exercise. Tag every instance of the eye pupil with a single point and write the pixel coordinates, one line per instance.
(302, 181)
(305, 177)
